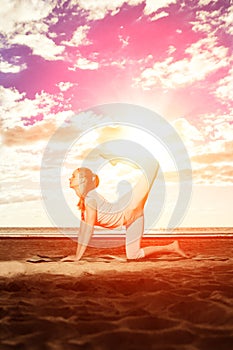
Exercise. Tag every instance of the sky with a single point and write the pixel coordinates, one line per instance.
(60, 58)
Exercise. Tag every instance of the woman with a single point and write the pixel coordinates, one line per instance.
(127, 211)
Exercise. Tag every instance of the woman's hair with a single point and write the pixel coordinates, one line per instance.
(94, 178)
(91, 176)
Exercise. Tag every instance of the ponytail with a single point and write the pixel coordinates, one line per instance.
(81, 206)
(96, 180)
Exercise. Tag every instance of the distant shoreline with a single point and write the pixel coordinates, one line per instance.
(73, 233)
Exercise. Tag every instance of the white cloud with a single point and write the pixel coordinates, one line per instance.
(84, 63)
(124, 41)
(7, 67)
(212, 160)
(98, 9)
(16, 111)
(79, 37)
(19, 175)
(206, 2)
(153, 6)
(28, 135)
(14, 107)
(212, 21)
(159, 15)
(223, 131)
(6, 198)
(120, 63)
(205, 58)
(225, 87)
(22, 23)
(64, 86)
(171, 49)
(40, 45)
(205, 21)
(14, 12)
(210, 148)
(9, 96)
(217, 128)
(188, 132)
(16, 161)
(227, 19)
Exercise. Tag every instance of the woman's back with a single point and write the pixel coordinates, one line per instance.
(109, 214)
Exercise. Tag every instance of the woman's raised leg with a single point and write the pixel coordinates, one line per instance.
(148, 167)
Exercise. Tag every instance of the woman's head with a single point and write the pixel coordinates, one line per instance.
(83, 180)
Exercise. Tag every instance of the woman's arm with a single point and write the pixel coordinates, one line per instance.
(86, 229)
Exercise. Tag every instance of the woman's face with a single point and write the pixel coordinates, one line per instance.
(79, 182)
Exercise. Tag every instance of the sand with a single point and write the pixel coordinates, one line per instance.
(163, 303)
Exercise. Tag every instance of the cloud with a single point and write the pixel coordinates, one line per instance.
(213, 174)
(217, 128)
(18, 111)
(79, 37)
(205, 57)
(173, 176)
(188, 132)
(211, 158)
(9, 96)
(10, 104)
(19, 173)
(92, 143)
(214, 154)
(64, 86)
(210, 148)
(21, 136)
(15, 12)
(227, 19)
(206, 2)
(40, 132)
(16, 198)
(40, 44)
(85, 64)
(124, 41)
(22, 23)
(98, 9)
(229, 146)
(7, 67)
(153, 6)
(212, 163)
(224, 90)
(223, 130)
(159, 15)
(213, 21)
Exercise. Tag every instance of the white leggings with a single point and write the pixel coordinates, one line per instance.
(133, 210)
(133, 213)
(134, 234)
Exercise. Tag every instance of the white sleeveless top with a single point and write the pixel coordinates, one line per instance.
(109, 215)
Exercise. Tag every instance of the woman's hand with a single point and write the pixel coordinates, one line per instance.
(70, 258)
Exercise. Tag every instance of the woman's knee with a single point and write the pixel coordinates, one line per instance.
(134, 254)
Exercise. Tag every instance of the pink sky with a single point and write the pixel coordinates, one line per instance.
(60, 57)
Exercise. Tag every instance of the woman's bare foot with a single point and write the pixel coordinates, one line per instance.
(176, 249)
(114, 160)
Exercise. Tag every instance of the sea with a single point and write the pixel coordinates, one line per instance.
(72, 232)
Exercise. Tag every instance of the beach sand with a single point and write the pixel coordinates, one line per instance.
(165, 303)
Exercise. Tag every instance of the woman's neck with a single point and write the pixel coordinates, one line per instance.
(91, 188)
